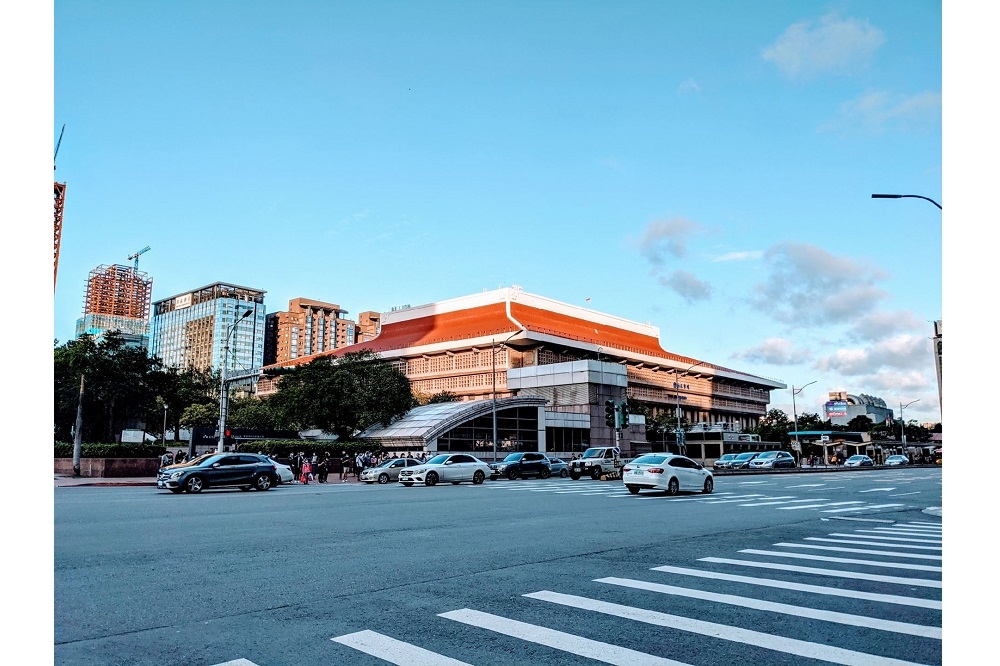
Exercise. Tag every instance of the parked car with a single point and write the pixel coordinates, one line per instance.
(453, 467)
(219, 470)
(285, 473)
(559, 467)
(666, 471)
(893, 461)
(859, 461)
(724, 461)
(773, 460)
(522, 465)
(387, 471)
(742, 461)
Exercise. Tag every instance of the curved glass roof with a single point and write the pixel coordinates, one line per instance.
(428, 421)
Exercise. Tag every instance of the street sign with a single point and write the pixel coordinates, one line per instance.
(824, 438)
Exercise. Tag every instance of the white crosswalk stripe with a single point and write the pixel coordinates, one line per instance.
(875, 617)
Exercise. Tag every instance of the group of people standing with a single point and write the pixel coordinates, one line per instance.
(317, 467)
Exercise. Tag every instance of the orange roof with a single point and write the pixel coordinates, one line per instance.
(491, 320)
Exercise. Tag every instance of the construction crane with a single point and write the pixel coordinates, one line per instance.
(136, 257)
(59, 194)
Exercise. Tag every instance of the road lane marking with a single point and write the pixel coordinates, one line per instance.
(807, 485)
(859, 520)
(904, 494)
(394, 651)
(875, 490)
(863, 551)
(786, 501)
(237, 662)
(884, 538)
(923, 524)
(898, 529)
(584, 647)
(787, 609)
(873, 543)
(814, 506)
(794, 646)
(833, 573)
(863, 508)
(833, 488)
(805, 587)
(842, 560)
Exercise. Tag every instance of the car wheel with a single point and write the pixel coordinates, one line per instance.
(194, 484)
(383, 478)
(595, 474)
(431, 479)
(512, 473)
(564, 474)
(478, 477)
(709, 486)
(407, 483)
(263, 483)
(544, 474)
(633, 489)
(575, 476)
(673, 486)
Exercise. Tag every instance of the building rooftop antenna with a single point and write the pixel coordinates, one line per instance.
(136, 257)
(58, 143)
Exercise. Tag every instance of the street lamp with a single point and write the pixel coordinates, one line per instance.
(795, 420)
(905, 196)
(164, 425)
(494, 348)
(222, 392)
(681, 448)
(902, 422)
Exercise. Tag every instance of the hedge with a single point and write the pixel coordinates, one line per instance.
(113, 450)
(276, 448)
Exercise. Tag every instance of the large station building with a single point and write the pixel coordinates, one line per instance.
(549, 367)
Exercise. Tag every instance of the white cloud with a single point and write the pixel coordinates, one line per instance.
(882, 323)
(808, 286)
(668, 236)
(689, 86)
(877, 112)
(739, 256)
(899, 353)
(687, 285)
(776, 351)
(808, 48)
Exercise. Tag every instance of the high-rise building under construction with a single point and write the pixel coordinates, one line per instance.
(118, 298)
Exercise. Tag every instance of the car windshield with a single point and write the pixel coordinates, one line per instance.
(856, 458)
(744, 456)
(200, 460)
(388, 462)
(593, 453)
(728, 456)
(513, 457)
(768, 454)
(437, 460)
(649, 460)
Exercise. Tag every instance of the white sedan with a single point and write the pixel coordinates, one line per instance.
(666, 471)
(453, 467)
(285, 474)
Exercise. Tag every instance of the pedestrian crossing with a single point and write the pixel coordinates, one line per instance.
(664, 590)
(735, 498)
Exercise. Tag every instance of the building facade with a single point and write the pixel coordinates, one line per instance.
(511, 343)
(368, 326)
(117, 299)
(308, 327)
(196, 328)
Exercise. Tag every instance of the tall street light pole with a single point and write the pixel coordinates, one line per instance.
(164, 425)
(906, 196)
(902, 421)
(681, 448)
(795, 420)
(222, 392)
(494, 348)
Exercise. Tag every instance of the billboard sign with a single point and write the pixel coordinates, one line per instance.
(835, 408)
(183, 301)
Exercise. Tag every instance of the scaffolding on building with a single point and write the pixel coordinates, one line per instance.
(60, 198)
(120, 291)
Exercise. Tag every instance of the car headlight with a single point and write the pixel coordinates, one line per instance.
(176, 475)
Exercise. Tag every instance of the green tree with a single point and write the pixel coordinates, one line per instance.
(443, 396)
(200, 415)
(809, 421)
(343, 396)
(247, 411)
(860, 423)
(773, 427)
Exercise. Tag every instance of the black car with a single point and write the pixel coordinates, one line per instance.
(219, 470)
(523, 464)
(742, 461)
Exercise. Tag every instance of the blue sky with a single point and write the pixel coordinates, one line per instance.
(704, 167)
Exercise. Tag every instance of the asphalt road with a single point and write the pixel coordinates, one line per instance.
(523, 572)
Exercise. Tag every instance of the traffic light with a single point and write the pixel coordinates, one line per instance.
(609, 413)
(624, 413)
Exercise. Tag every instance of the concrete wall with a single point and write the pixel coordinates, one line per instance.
(110, 468)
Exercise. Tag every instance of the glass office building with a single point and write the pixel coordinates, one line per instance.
(190, 330)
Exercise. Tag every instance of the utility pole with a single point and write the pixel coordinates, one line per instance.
(77, 435)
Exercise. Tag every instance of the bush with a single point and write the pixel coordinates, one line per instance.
(113, 450)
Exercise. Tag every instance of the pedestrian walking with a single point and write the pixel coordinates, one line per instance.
(306, 472)
(321, 469)
(345, 466)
